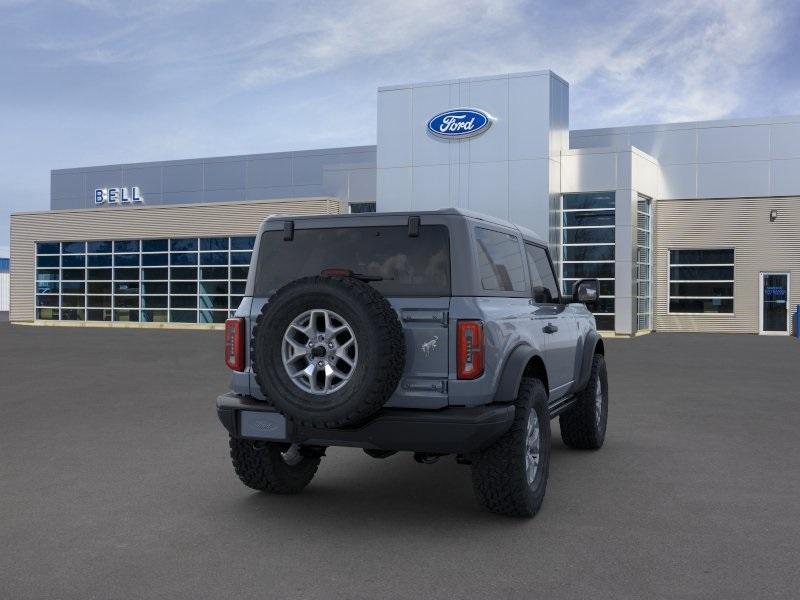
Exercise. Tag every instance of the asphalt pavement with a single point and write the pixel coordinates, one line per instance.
(115, 482)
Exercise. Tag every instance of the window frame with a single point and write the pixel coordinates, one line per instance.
(670, 281)
(558, 299)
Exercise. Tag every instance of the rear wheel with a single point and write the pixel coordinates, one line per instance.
(271, 467)
(510, 477)
(584, 425)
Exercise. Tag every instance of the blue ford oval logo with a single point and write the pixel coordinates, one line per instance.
(460, 123)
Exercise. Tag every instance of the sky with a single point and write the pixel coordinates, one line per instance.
(93, 82)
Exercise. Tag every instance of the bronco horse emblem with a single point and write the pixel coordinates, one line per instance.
(430, 345)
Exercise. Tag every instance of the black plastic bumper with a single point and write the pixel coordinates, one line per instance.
(448, 430)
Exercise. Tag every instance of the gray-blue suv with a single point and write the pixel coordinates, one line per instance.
(437, 333)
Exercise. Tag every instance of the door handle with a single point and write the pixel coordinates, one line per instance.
(550, 328)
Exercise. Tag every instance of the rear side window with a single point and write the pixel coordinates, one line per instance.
(500, 261)
(409, 266)
(543, 280)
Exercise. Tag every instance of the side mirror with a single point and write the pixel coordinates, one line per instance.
(586, 291)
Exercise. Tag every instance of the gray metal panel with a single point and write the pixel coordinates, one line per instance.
(728, 144)
(101, 179)
(65, 203)
(785, 177)
(785, 140)
(269, 193)
(362, 185)
(66, 185)
(147, 179)
(183, 178)
(667, 147)
(227, 175)
(182, 197)
(733, 179)
(224, 195)
(269, 172)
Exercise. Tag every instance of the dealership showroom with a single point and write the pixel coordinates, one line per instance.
(688, 226)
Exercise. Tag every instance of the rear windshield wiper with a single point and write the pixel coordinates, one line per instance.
(349, 273)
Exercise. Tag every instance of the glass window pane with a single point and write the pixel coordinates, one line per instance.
(73, 274)
(184, 258)
(97, 247)
(152, 287)
(100, 260)
(98, 301)
(692, 273)
(100, 288)
(216, 243)
(214, 258)
(126, 260)
(499, 261)
(126, 246)
(183, 273)
(154, 259)
(604, 305)
(46, 300)
(126, 315)
(126, 287)
(99, 274)
(591, 200)
(606, 287)
(588, 218)
(155, 274)
(213, 302)
(47, 287)
(47, 314)
(98, 315)
(47, 247)
(73, 247)
(214, 272)
(73, 314)
(581, 270)
(154, 316)
(543, 280)
(237, 287)
(183, 316)
(214, 287)
(126, 274)
(213, 316)
(589, 236)
(183, 287)
(701, 257)
(183, 244)
(126, 301)
(701, 289)
(240, 258)
(67, 300)
(239, 272)
(73, 260)
(47, 261)
(362, 207)
(154, 245)
(47, 274)
(154, 301)
(243, 243)
(588, 253)
(236, 301)
(703, 305)
(73, 287)
(605, 322)
(183, 301)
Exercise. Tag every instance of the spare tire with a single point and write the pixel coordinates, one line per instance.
(327, 351)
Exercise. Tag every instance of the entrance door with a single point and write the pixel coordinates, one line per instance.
(774, 301)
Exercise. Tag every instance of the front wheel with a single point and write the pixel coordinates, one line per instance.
(272, 467)
(510, 477)
(583, 426)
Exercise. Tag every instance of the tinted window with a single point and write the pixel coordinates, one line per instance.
(543, 281)
(410, 266)
(499, 261)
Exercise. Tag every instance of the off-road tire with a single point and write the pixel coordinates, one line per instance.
(580, 426)
(260, 466)
(381, 351)
(499, 476)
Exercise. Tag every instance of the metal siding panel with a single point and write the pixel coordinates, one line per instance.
(759, 245)
(138, 222)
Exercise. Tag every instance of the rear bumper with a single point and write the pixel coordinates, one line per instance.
(448, 430)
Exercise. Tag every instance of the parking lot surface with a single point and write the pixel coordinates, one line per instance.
(115, 482)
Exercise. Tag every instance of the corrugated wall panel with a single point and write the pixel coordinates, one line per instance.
(742, 224)
(240, 218)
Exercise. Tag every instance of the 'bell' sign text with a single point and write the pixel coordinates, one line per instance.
(117, 196)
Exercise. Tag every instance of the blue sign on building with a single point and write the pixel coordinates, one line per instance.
(458, 123)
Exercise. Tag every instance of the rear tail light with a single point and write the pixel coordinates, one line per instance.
(234, 344)
(470, 349)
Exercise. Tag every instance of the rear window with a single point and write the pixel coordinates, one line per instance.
(410, 266)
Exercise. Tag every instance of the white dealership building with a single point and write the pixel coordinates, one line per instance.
(688, 226)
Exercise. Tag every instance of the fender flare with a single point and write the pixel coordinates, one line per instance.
(590, 345)
(511, 376)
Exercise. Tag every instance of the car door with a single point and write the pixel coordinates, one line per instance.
(553, 321)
